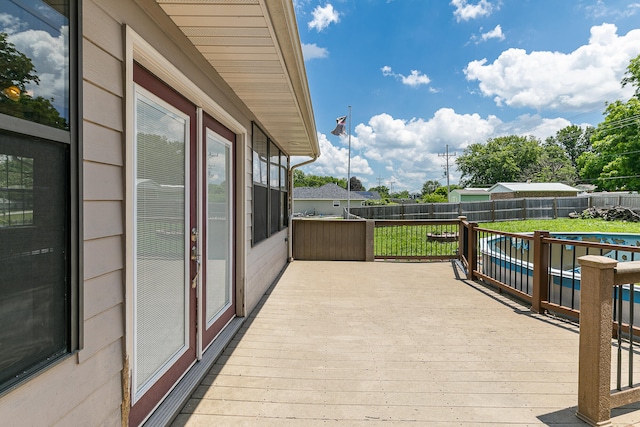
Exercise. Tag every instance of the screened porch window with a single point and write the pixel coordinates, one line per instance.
(270, 199)
(39, 169)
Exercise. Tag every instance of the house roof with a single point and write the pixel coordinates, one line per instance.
(326, 192)
(369, 195)
(255, 47)
(521, 187)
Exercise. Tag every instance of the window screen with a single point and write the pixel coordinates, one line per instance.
(34, 245)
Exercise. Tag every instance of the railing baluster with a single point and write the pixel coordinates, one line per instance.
(618, 295)
(573, 279)
(632, 303)
(561, 272)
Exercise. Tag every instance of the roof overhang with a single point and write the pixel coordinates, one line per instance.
(255, 47)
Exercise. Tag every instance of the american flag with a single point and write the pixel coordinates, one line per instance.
(339, 130)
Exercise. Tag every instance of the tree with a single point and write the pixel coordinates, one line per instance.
(632, 75)
(554, 166)
(429, 187)
(501, 159)
(574, 140)
(443, 190)
(401, 195)
(614, 163)
(158, 149)
(16, 68)
(16, 72)
(355, 184)
(434, 198)
(302, 180)
(382, 190)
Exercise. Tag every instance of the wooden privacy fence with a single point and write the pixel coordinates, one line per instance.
(499, 210)
(332, 240)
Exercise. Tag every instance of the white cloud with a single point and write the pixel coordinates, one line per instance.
(10, 24)
(581, 80)
(601, 11)
(416, 78)
(409, 152)
(465, 11)
(496, 33)
(334, 161)
(323, 17)
(49, 55)
(313, 51)
(533, 124)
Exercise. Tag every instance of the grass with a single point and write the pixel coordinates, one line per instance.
(411, 240)
(564, 225)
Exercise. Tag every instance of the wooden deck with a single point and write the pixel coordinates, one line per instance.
(354, 343)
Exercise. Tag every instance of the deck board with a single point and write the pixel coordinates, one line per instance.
(382, 343)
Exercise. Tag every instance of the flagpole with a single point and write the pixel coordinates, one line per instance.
(349, 171)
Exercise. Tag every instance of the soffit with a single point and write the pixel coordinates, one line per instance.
(255, 47)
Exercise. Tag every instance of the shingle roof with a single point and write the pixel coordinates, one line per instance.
(326, 192)
(534, 186)
(370, 195)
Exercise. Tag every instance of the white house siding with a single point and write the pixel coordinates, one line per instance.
(86, 389)
(322, 207)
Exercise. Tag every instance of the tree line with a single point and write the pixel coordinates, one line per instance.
(607, 156)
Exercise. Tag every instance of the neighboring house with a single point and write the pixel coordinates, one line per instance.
(151, 170)
(469, 195)
(328, 200)
(369, 195)
(519, 190)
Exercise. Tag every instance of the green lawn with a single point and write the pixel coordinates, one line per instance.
(564, 225)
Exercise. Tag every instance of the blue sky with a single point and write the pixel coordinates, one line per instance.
(421, 75)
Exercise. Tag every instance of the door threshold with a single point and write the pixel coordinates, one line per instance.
(169, 409)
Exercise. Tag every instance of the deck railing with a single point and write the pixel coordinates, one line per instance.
(602, 277)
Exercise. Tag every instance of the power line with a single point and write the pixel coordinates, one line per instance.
(447, 155)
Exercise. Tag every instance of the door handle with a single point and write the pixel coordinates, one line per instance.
(195, 257)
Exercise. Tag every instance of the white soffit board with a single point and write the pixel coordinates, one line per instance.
(254, 46)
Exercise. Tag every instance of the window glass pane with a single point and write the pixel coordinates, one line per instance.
(160, 268)
(34, 58)
(260, 195)
(284, 167)
(274, 163)
(16, 191)
(274, 218)
(260, 144)
(283, 210)
(219, 225)
(34, 229)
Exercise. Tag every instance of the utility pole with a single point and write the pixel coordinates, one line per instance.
(379, 181)
(447, 155)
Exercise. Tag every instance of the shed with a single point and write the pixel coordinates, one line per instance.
(519, 190)
(469, 195)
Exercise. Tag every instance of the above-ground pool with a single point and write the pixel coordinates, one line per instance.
(510, 260)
